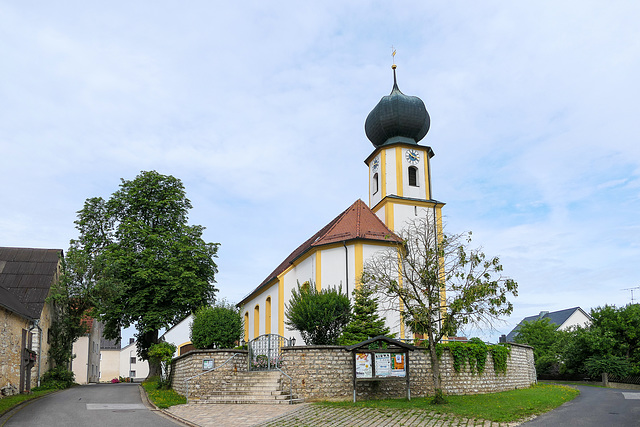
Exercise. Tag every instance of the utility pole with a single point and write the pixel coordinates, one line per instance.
(632, 289)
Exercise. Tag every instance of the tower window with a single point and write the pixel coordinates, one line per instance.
(413, 176)
(375, 183)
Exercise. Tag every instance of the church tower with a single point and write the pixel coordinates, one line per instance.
(399, 167)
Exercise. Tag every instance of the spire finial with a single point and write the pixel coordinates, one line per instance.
(393, 67)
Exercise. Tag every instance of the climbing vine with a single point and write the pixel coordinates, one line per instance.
(474, 353)
(500, 354)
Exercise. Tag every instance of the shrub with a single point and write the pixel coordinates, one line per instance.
(219, 326)
(318, 315)
(57, 378)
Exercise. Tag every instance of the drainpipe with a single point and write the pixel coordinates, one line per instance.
(37, 326)
(88, 355)
(346, 266)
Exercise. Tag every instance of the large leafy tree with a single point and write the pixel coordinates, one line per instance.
(319, 315)
(439, 284)
(365, 321)
(610, 344)
(147, 267)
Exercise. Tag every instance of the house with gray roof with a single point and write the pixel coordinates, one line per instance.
(26, 277)
(564, 319)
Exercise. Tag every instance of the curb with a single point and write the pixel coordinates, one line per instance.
(20, 406)
(153, 408)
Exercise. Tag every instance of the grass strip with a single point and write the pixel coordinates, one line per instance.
(9, 402)
(506, 406)
(162, 398)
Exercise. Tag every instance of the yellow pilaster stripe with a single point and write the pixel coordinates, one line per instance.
(427, 175)
(400, 303)
(359, 263)
(443, 292)
(318, 271)
(388, 216)
(281, 305)
(399, 171)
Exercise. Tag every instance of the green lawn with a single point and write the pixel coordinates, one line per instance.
(506, 406)
(9, 402)
(162, 398)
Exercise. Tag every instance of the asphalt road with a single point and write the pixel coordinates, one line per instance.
(601, 407)
(93, 405)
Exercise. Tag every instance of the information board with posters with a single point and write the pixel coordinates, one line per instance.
(398, 365)
(363, 365)
(383, 364)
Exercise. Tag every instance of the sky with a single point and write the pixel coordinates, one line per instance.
(259, 108)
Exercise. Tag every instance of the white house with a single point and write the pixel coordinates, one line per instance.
(564, 319)
(399, 191)
(122, 362)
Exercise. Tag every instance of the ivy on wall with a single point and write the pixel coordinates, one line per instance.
(474, 353)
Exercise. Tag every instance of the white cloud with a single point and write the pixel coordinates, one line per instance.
(260, 110)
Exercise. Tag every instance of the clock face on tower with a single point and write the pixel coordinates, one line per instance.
(376, 164)
(412, 156)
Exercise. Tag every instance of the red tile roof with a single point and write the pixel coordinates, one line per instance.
(356, 222)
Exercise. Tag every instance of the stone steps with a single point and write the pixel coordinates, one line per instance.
(261, 387)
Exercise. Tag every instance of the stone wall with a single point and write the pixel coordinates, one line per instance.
(11, 326)
(190, 364)
(326, 373)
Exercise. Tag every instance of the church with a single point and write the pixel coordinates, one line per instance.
(399, 191)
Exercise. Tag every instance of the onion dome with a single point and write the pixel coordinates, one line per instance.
(397, 118)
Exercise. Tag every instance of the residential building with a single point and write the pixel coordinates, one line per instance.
(564, 319)
(26, 278)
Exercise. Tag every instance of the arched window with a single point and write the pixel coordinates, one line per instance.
(256, 321)
(375, 183)
(413, 176)
(267, 316)
(246, 326)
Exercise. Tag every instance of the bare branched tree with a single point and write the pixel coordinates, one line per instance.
(439, 284)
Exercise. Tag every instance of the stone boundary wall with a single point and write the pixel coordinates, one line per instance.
(326, 373)
(190, 364)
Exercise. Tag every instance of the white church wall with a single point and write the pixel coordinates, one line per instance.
(333, 268)
(419, 192)
(375, 196)
(390, 171)
(180, 334)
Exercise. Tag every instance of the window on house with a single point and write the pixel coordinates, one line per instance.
(413, 176)
(132, 374)
(375, 183)
(132, 361)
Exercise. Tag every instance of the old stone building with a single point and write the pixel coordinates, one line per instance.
(26, 277)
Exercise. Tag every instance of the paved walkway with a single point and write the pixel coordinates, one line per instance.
(236, 415)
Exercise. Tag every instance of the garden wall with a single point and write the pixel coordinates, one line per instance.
(326, 373)
(191, 363)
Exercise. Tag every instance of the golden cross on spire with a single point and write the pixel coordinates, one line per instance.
(393, 54)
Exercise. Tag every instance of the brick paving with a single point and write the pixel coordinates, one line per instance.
(236, 415)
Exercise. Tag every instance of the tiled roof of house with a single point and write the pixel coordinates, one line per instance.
(11, 303)
(28, 274)
(555, 318)
(356, 222)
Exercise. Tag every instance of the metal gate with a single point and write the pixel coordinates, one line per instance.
(265, 352)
